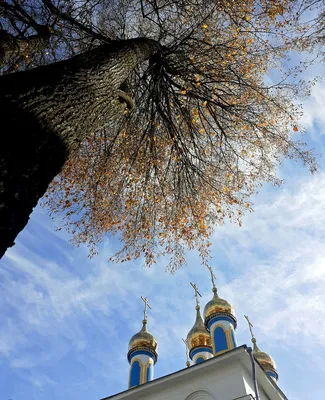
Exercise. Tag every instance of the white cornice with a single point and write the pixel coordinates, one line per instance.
(237, 355)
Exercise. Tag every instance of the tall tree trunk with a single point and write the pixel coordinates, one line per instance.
(47, 112)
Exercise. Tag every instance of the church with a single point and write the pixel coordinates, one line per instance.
(219, 369)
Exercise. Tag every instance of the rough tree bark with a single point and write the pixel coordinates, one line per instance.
(47, 112)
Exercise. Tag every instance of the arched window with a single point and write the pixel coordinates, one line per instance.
(135, 374)
(200, 395)
(149, 372)
(233, 338)
(220, 340)
(199, 360)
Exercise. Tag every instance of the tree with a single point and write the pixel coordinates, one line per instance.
(310, 18)
(162, 132)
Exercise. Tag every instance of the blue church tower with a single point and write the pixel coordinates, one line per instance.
(198, 339)
(142, 354)
(220, 320)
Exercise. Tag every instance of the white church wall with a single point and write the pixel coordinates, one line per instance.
(249, 385)
(225, 384)
(201, 395)
(227, 377)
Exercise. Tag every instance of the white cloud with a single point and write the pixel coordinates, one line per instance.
(283, 288)
(271, 269)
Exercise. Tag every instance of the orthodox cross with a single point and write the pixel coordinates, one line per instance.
(250, 325)
(186, 350)
(213, 277)
(146, 304)
(197, 293)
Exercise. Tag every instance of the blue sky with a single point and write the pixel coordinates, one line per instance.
(67, 319)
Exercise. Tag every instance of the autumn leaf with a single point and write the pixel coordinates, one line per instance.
(203, 136)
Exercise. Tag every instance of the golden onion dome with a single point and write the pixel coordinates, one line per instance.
(198, 336)
(218, 306)
(264, 359)
(143, 340)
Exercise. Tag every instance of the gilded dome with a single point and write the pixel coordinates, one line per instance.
(218, 306)
(143, 340)
(265, 360)
(198, 335)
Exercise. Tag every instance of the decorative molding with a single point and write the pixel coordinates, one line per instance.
(200, 395)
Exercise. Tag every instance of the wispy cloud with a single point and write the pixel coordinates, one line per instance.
(272, 268)
(67, 319)
(282, 276)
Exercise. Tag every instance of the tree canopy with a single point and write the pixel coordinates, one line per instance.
(207, 117)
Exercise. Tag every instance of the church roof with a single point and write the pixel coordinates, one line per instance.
(238, 355)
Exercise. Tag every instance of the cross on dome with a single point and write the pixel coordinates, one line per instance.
(146, 305)
(264, 359)
(250, 325)
(213, 277)
(197, 293)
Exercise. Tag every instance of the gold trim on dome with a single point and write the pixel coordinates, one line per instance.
(143, 340)
(264, 359)
(218, 306)
(198, 336)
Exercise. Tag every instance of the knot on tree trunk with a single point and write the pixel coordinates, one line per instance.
(126, 99)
